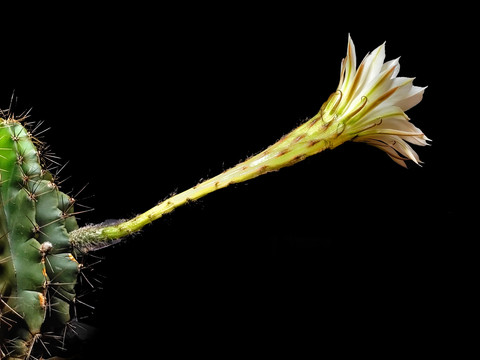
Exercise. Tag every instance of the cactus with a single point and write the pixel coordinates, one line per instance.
(41, 244)
(40, 272)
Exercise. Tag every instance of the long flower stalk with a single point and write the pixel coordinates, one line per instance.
(368, 106)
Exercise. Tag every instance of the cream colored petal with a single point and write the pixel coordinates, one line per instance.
(402, 128)
(384, 147)
(382, 82)
(398, 123)
(375, 63)
(390, 63)
(393, 155)
(396, 143)
(402, 82)
(374, 118)
(420, 140)
(386, 112)
(398, 127)
(363, 114)
(397, 68)
(411, 98)
(342, 74)
(367, 70)
(403, 148)
(350, 64)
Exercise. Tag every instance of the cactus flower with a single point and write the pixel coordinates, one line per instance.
(370, 103)
(368, 106)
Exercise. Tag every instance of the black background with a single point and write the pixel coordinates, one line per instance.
(346, 251)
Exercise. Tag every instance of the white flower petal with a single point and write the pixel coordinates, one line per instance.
(389, 64)
(384, 141)
(375, 118)
(398, 127)
(386, 148)
(403, 148)
(383, 81)
(375, 60)
(397, 124)
(420, 140)
(412, 98)
(384, 112)
(349, 67)
(367, 71)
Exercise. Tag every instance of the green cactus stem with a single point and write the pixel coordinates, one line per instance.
(37, 269)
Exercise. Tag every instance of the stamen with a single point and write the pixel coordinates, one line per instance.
(373, 125)
(326, 103)
(338, 101)
(364, 100)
